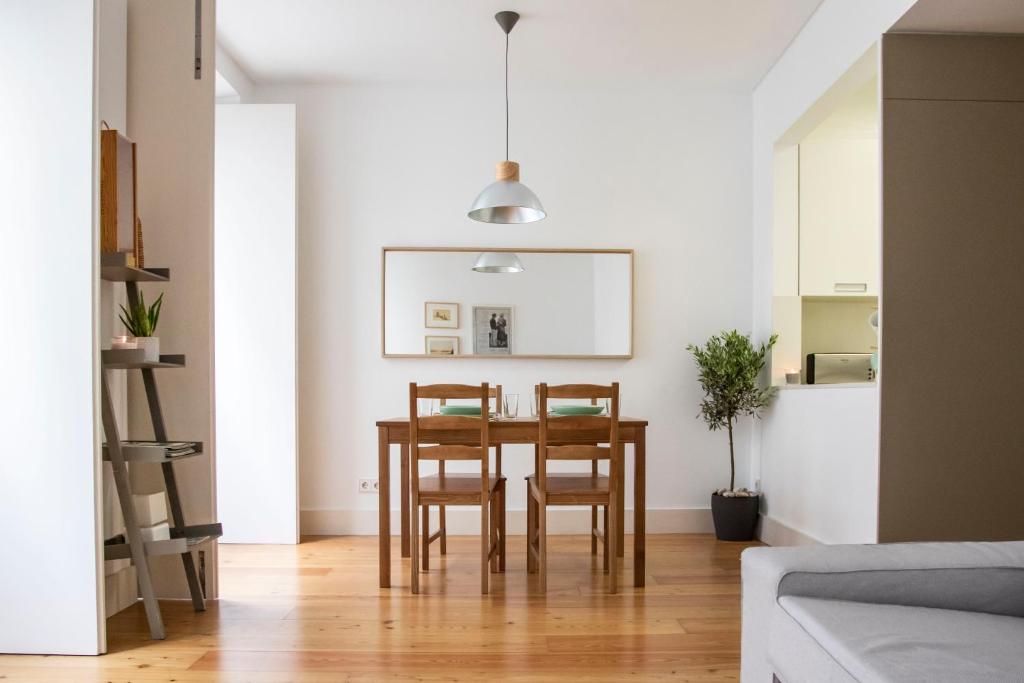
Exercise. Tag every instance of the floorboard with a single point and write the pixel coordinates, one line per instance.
(314, 613)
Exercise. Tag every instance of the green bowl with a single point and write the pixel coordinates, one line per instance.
(577, 410)
(460, 410)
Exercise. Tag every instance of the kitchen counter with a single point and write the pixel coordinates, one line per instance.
(845, 385)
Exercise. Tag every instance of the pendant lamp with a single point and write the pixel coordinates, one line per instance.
(507, 200)
(498, 262)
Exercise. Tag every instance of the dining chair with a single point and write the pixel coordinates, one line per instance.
(468, 439)
(495, 393)
(594, 509)
(560, 489)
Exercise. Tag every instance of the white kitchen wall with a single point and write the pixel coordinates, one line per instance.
(49, 471)
(665, 172)
(814, 440)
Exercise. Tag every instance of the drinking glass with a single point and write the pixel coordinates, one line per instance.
(425, 407)
(606, 403)
(533, 404)
(511, 402)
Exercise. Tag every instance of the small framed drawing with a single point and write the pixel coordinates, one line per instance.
(492, 330)
(442, 346)
(437, 314)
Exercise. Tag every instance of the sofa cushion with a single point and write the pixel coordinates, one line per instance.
(993, 590)
(795, 657)
(874, 642)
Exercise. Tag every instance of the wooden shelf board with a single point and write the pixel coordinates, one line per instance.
(151, 453)
(173, 546)
(129, 359)
(131, 274)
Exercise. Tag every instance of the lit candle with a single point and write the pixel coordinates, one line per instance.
(792, 376)
(123, 341)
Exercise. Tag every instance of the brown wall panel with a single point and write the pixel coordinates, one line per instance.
(952, 389)
(925, 66)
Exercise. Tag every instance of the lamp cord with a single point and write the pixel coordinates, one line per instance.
(506, 97)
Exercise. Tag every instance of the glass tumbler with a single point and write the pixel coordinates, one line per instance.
(425, 407)
(511, 406)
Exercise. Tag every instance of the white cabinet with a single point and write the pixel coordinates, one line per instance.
(839, 217)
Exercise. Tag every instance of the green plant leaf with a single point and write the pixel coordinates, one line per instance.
(728, 369)
(139, 320)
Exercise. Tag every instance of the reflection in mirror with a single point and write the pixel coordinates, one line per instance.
(562, 303)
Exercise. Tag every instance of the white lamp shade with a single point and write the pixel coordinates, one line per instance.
(498, 262)
(507, 201)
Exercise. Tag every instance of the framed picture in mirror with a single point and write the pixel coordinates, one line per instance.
(492, 330)
(442, 346)
(441, 315)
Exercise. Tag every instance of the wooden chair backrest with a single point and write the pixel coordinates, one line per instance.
(463, 429)
(599, 428)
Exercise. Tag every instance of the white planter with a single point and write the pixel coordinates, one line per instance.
(151, 345)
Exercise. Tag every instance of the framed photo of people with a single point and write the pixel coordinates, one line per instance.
(493, 330)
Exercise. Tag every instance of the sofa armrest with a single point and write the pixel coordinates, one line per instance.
(986, 577)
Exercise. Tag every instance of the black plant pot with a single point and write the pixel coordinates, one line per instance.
(735, 518)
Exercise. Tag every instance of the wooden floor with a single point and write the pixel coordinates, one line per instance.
(313, 612)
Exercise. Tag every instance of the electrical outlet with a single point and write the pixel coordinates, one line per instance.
(368, 486)
(376, 486)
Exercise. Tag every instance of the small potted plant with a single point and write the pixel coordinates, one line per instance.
(140, 321)
(729, 367)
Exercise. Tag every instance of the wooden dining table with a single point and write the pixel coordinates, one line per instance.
(517, 430)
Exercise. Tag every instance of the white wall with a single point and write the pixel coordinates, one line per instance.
(49, 471)
(254, 252)
(813, 426)
(170, 116)
(818, 478)
(664, 172)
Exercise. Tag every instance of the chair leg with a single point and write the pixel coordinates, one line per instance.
(426, 538)
(611, 544)
(605, 544)
(492, 532)
(501, 529)
(542, 528)
(485, 545)
(531, 524)
(444, 529)
(593, 527)
(414, 541)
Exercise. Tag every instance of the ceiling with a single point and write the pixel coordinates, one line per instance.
(721, 44)
(963, 16)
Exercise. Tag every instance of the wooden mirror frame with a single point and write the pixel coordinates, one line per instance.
(519, 250)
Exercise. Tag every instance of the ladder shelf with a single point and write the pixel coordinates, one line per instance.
(184, 538)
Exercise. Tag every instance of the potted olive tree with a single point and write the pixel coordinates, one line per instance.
(140, 321)
(729, 366)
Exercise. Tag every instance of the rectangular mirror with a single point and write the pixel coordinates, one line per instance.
(500, 303)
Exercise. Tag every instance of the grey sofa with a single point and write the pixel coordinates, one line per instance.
(903, 612)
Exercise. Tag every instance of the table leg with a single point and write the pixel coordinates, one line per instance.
(621, 531)
(640, 508)
(404, 492)
(384, 505)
